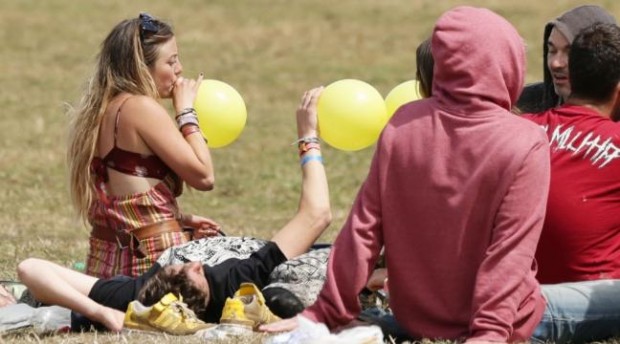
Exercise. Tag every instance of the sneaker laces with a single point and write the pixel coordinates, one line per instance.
(247, 299)
(185, 312)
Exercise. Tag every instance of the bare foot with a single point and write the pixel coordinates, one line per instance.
(111, 318)
(6, 298)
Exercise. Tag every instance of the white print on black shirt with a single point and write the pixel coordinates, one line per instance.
(601, 151)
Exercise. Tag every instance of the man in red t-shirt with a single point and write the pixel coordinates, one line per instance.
(581, 236)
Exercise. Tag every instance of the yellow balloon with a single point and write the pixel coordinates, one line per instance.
(351, 114)
(221, 112)
(400, 95)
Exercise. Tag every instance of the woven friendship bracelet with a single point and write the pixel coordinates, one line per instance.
(305, 147)
(309, 158)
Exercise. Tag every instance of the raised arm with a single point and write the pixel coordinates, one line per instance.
(350, 263)
(185, 153)
(314, 214)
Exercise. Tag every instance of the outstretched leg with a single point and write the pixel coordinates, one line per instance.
(53, 284)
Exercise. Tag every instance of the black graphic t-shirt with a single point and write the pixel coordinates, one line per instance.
(118, 291)
(225, 278)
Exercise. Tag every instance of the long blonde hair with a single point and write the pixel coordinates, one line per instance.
(122, 66)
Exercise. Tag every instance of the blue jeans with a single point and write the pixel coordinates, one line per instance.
(576, 312)
(580, 312)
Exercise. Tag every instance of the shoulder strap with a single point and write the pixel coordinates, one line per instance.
(118, 112)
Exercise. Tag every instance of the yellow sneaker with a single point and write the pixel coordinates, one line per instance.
(169, 315)
(247, 308)
(234, 313)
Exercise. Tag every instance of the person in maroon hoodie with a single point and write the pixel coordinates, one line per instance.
(456, 193)
(577, 244)
(583, 142)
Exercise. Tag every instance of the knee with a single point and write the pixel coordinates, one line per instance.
(25, 267)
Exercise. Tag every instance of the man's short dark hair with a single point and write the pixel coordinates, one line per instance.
(166, 281)
(594, 67)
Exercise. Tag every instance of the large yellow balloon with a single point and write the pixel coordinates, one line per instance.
(351, 114)
(221, 112)
(400, 95)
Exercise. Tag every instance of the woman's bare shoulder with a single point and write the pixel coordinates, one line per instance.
(144, 107)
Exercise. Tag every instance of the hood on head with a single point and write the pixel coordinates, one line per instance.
(570, 23)
(479, 60)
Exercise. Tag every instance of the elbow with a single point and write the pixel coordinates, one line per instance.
(204, 184)
(327, 218)
(322, 217)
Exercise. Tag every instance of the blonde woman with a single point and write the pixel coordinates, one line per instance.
(204, 288)
(128, 157)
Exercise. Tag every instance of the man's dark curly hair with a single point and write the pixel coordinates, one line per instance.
(594, 69)
(424, 68)
(167, 281)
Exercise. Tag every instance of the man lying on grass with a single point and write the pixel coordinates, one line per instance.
(205, 288)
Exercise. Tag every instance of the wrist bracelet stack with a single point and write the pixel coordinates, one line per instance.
(306, 144)
(187, 120)
(187, 116)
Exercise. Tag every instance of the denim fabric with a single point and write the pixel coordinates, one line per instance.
(387, 322)
(576, 312)
(580, 312)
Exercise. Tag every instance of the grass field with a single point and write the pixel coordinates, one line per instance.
(269, 50)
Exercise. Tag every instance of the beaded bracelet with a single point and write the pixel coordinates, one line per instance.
(309, 158)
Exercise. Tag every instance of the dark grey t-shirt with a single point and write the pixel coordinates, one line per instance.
(225, 278)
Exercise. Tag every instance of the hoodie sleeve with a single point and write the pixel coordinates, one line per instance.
(509, 258)
(352, 258)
